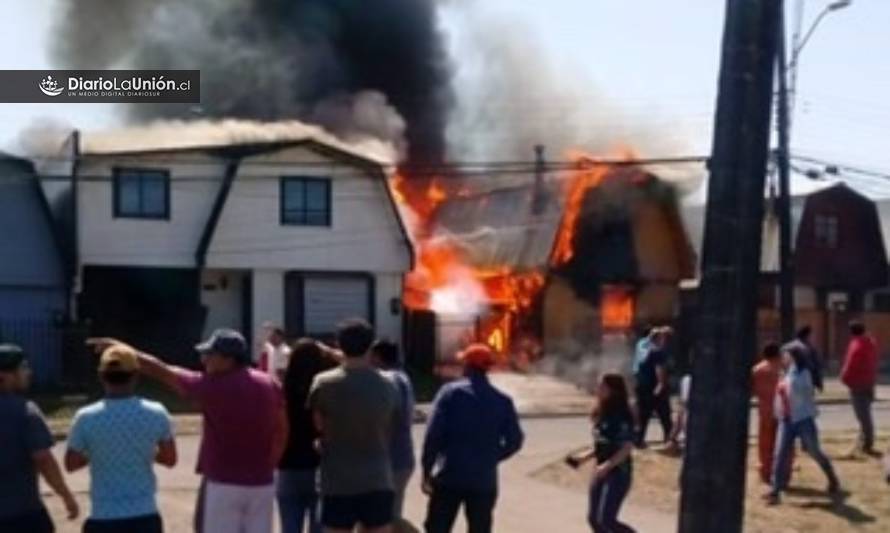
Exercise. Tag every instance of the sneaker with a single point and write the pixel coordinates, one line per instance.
(772, 498)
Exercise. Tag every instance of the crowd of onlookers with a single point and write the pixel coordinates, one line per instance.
(786, 381)
(327, 432)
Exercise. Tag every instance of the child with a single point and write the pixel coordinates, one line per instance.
(613, 437)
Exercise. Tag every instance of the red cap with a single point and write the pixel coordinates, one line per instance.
(477, 355)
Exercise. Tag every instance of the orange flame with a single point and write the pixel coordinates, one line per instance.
(617, 308)
(442, 278)
(589, 173)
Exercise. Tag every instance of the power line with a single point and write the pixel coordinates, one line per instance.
(842, 167)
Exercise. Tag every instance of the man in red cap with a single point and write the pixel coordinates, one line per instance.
(472, 428)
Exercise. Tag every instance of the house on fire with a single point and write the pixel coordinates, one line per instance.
(173, 241)
(584, 259)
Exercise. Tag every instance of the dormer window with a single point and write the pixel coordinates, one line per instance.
(827, 229)
(141, 193)
(305, 201)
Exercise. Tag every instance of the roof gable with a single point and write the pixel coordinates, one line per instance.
(28, 248)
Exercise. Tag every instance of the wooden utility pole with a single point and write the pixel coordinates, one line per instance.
(714, 468)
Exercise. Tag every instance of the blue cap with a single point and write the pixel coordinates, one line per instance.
(228, 343)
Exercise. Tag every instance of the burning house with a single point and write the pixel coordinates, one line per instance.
(554, 266)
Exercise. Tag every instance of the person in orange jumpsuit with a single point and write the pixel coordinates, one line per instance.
(765, 379)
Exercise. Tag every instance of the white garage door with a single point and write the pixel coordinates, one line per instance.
(329, 301)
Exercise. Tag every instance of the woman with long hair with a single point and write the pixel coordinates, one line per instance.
(296, 480)
(613, 438)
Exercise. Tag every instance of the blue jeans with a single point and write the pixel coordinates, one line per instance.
(606, 498)
(297, 494)
(808, 433)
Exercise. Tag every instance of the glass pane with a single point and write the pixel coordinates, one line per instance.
(154, 195)
(128, 194)
(295, 217)
(294, 198)
(317, 195)
(317, 218)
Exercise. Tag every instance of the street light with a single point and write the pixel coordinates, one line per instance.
(797, 47)
(783, 205)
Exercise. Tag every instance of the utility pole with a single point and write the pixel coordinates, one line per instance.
(715, 465)
(783, 204)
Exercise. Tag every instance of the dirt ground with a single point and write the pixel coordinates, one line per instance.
(805, 508)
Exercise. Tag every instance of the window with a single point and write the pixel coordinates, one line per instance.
(827, 231)
(141, 193)
(305, 201)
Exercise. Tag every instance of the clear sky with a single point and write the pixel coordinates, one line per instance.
(655, 60)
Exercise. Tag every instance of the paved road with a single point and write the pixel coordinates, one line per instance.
(526, 505)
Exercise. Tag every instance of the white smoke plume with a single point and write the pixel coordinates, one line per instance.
(513, 96)
(173, 134)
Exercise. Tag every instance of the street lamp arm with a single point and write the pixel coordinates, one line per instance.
(834, 6)
(795, 54)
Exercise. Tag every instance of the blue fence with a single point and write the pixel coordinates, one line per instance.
(43, 342)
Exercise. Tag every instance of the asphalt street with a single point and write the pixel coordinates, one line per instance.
(526, 505)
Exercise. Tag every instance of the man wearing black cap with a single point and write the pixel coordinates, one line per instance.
(245, 431)
(25, 444)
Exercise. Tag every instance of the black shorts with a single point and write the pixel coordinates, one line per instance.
(139, 524)
(371, 510)
(36, 521)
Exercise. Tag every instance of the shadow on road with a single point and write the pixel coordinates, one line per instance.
(836, 505)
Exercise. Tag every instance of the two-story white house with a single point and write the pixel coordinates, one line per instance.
(172, 243)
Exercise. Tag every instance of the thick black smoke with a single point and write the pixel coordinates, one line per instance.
(344, 64)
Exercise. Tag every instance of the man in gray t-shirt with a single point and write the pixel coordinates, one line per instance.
(355, 407)
(25, 442)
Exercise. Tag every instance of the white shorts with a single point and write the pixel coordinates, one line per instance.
(238, 508)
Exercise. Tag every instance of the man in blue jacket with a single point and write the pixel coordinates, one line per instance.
(473, 427)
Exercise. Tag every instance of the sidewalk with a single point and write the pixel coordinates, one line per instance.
(525, 505)
(539, 395)
(535, 396)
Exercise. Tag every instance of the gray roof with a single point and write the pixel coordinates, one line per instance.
(498, 227)
(694, 217)
(31, 257)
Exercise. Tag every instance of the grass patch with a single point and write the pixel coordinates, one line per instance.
(805, 507)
